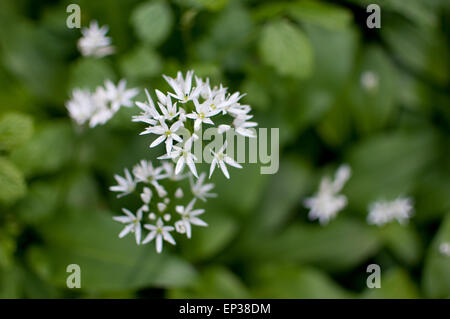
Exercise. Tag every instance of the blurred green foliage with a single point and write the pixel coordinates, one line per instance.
(302, 64)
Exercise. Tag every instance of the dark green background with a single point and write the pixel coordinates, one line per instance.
(300, 64)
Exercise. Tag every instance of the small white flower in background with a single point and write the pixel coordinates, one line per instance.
(194, 104)
(444, 249)
(94, 41)
(201, 190)
(126, 185)
(327, 202)
(189, 217)
(383, 212)
(100, 106)
(145, 179)
(133, 223)
(160, 232)
(369, 80)
(220, 159)
(80, 106)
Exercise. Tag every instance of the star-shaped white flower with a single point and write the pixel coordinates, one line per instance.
(202, 114)
(119, 95)
(149, 113)
(220, 159)
(94, 41)
(189, 216)
(383, 212)
(145, 172)
(242, 126)
(183, 87)
(184, 157)
(201, 190)
(125, 185)
(134, 223)
(326, 203)
(160, 232)
(80, 106)
(168, 109)
(166, 134)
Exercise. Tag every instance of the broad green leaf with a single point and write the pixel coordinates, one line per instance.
(286, 189)
(15, 129)
(436, 276)
(372, 95)
(47, 151)
(214, 282)
(387, 166)
(395, 284)
(207, 242)
(12, 183)
(286, 48)
(421, 49)
(291, 281)
(324, 14)
(90, 239)
(140, 63)
(88, 73)
(152, 21)
(342, 244)
(403, 241)
(41, 202)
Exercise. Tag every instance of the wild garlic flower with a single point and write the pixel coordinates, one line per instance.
(94, 41)
(168, 202)
(327, 202)
(133, 223)
(179, 122)
(220, 159)
(100, 106)
(383, 212)
(444, 249)
(125, 185)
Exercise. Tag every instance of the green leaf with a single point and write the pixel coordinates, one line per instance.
(12, 183)
(209, 241)
(436, 277)
(90, 239)
(286, 190)
(88, 73)
(373, 92)
(395, 284)
(47, 151)
(140, 63)
(41, 201)
(152, 22)
(15, 129)
(326, 15)
(384, 168)
(403, 241)
(215, 282)
(286, 48)
(342, 244)
(291, 281)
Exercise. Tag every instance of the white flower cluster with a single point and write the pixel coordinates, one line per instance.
(168, 210)
(382, 212)
(94, 41)
(192, 106)
(100, 106)
(327, 202)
